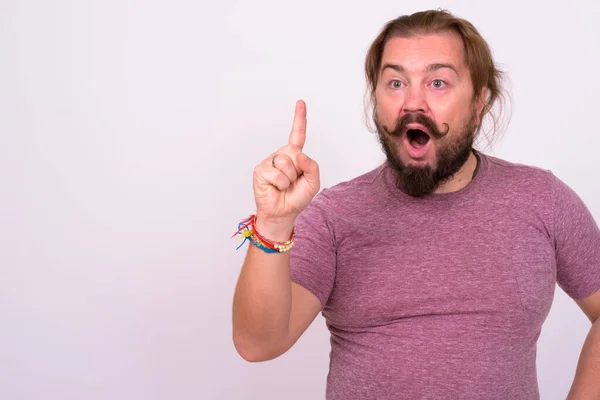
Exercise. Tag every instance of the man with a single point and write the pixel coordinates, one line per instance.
(436, 270)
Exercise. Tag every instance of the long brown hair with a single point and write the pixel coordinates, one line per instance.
(478, 57)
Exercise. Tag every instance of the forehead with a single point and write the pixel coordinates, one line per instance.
(416, 52)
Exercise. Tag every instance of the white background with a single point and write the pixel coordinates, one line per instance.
(128, 134)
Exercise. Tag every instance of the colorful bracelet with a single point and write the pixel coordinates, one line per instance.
(247, 229)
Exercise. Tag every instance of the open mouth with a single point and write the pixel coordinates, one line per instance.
(417, 138)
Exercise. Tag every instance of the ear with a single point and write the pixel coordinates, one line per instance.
(479, 103)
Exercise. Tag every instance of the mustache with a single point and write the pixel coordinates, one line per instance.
(411, 118)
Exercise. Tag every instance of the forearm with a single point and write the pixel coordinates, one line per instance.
(586, 385)
(262, 302)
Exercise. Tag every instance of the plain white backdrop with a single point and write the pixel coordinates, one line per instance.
(129, 130)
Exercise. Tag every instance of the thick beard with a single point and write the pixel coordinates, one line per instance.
(420, 181)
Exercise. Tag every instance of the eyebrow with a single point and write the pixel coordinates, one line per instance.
(429, 68)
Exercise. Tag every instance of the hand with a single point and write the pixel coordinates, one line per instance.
(286, 181)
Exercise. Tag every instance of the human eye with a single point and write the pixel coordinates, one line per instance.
(395, 84)
(438, 83)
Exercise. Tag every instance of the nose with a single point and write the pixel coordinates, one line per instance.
(415, 100)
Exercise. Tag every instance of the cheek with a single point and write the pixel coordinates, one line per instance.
(443, 106)
(387, 109)
(451, 113)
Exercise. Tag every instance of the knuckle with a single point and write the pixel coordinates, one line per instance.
(258, 171)
(285, 161)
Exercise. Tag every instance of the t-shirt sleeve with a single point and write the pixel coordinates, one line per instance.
(313, 257)
(577, 243)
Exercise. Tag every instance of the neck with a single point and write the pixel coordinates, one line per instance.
(462, 178)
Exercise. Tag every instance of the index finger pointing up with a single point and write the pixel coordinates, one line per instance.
(298, 134)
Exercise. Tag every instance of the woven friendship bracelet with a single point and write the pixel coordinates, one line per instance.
(247, 229)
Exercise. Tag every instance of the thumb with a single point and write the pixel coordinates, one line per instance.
(310, 171)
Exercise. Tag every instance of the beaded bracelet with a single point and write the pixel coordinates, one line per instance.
(247, 229)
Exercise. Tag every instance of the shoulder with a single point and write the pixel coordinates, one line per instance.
(517, 177)
(511, 169)
(536, 188)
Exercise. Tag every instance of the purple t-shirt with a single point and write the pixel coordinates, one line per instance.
(443, 297)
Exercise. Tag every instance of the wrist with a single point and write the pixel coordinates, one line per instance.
(276, 230)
